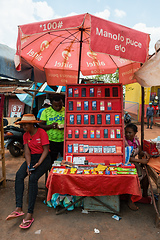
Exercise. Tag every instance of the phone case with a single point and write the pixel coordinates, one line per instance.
(78, 119)
(70, 105)
(99, 119)
(92, 119)
(83, 92)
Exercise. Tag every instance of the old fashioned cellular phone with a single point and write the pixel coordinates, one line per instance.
(99, 119)
(92, 119)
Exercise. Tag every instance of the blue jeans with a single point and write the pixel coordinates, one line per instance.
(33, 180)
(149, 117)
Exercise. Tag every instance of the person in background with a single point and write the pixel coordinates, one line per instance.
(45, 105)
(149, 115)
(37, 162)
(138, 157)
(127, 118)
(53, 122)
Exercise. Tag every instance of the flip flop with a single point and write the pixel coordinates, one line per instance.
(14, 215)
(27, 221)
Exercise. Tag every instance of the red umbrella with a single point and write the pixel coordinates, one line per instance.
(64, 47)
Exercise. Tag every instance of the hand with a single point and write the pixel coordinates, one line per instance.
(36, 165)
(28, 172)
(54, 125)
(146, 155)
(144, 160)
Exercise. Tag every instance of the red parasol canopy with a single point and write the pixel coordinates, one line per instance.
(64, 47)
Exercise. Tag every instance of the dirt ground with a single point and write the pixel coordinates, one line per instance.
(74, 224)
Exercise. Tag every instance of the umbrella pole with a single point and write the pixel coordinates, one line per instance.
(80, 53)
(142, 117)
(34, 94)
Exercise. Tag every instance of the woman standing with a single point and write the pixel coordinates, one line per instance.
(37, 162)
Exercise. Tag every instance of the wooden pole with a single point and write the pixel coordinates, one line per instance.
(142, 116)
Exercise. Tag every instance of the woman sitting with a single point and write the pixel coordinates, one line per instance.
(37, 162)
(143, 158)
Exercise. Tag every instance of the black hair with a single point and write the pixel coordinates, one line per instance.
(132, 126)
(56, 98)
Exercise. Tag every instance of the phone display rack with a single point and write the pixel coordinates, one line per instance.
(94, 126)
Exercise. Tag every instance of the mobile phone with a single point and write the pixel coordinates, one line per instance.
(85, 118)
(91, 93)
(70, 92)
(107, 92)
(71, 105)
(76, 92)
(92, 119)
(85, 105)
(108, 119)
(94, 105)
(78, 119)
(99, 119)
(71, 119)
(83, 92)
(105, 133)
(31, 169)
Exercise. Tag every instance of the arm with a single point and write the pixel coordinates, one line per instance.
(48, 127)
(43, 156)
(138, 160)
(27, 155)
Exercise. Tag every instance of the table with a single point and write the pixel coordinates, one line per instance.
(93, 185)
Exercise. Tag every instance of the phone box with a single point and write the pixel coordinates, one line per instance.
(102, 106)
(76, 92)
(78, 119)
(109, 106)
(92, 134)
(69, 148)
(116, 118)
(78, 105)
(75, 147)
(98, 133)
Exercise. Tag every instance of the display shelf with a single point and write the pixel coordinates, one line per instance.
(94, 125)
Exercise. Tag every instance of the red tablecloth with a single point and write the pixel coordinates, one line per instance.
(93, 185)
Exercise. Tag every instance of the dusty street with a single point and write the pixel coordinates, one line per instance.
(75, 225)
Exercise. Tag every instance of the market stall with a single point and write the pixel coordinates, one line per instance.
(94, 145)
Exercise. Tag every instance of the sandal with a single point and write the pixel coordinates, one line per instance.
(14, 214)
(29, 223)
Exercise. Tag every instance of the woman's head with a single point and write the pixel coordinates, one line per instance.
(130, 131)
(28, 122)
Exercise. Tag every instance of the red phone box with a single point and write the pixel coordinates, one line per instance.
(150, 147)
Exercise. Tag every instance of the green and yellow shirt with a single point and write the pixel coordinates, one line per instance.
(50, 115)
